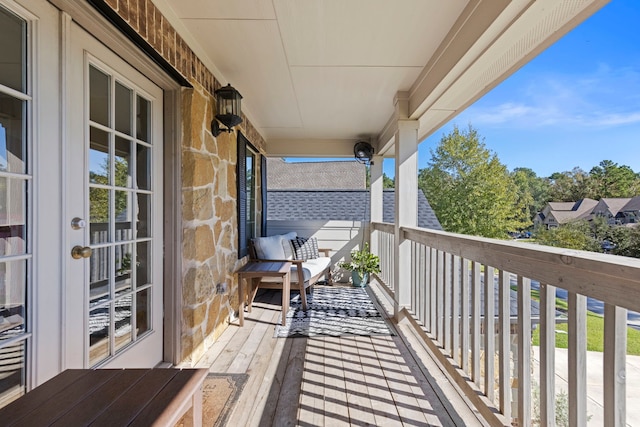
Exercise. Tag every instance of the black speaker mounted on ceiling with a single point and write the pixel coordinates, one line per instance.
(363, 152)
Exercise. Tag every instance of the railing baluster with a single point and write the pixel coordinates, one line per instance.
(547, 355)
(465, 315)
(504, 370)
(415, 268)
(615, 350)
(448, 283)
(489, 332)
(440, 297)
(425, 285)
(524, 351)
(577, 360)
(433, 291)
(455, 310)
(475, 314)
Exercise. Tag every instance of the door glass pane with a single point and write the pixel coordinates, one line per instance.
(12, 298)
(123, 109)
(144, 215)
(143, 167)
(99, 274)
(123, 167)
(124, 258)
(99, 96)
(12, 134)
(13, 378)
(12, 45)
(99, 215)
(13, 211)
(123, 216)
(143, 264)
(99, 169)
(99, 326)
(143, 119)
(123, 329)
(143, 311)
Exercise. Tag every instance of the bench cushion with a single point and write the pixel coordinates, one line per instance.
(310, 268)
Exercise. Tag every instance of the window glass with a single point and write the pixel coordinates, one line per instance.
(12, 46)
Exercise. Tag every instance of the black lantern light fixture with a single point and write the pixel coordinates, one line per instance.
(229, 113)
(363, 152)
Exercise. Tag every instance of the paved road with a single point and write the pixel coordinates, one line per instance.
(594, 305)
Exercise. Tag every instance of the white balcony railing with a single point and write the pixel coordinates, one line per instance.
(471, 297)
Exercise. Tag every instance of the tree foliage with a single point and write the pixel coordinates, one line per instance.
(469, 189)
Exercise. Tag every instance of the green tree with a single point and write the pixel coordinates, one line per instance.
(610, 180)
(467, 186)
(532, 191)
(569, 186)
(574, 235)
(388, 182)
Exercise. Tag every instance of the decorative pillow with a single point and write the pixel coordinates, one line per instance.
(305, 248)
(286, 244)
(272, 247)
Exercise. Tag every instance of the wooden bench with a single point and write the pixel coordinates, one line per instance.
(111, 397)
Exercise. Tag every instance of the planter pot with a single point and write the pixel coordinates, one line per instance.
(355, 278)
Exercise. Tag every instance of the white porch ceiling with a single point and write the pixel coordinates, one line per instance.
(312, 70)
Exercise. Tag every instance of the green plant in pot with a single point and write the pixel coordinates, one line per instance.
(362, 264)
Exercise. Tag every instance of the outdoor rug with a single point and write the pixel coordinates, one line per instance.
(334, 311)
(219, 393)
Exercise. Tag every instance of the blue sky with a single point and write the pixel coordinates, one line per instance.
(574, 105)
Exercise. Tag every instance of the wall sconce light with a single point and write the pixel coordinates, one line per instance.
(229, 113)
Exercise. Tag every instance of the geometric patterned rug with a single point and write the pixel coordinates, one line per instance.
(333, 311)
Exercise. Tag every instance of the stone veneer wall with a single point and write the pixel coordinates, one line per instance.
(209, 215)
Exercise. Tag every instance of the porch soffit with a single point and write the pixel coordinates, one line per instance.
(318, 75)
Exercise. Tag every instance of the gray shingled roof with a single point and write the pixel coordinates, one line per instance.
(339, 205)
(632, 205)
(343, 175)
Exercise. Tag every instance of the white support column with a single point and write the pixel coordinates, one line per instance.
(375, 200)
(406, 195)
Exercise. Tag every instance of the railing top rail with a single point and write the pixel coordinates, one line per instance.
(610, 278)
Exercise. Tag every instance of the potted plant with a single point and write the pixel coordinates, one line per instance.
(361, 265)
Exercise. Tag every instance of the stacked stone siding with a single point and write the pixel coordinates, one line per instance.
(209, 187)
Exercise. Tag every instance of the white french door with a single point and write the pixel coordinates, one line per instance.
(113, 304)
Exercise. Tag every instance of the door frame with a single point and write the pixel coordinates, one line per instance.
(99, 27)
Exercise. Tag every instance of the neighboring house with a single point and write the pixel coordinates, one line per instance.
(630, 212)
(609, 208)
(555, 214)
(333, 175)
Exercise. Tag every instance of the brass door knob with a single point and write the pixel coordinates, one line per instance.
(81, 252)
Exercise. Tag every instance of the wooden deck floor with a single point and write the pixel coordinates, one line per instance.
(332, 381)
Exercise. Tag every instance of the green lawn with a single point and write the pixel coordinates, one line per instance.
(595, 331)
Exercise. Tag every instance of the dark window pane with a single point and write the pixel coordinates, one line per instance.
(124, 259)
(144, 215)
(12, 134)
(99, 169)
(98, 96)
(143, 167)
(123, 109)
(143, 119)
(143, 264)
(143, 311)
(13, 32)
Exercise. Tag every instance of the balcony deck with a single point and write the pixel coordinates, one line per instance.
(333, 381)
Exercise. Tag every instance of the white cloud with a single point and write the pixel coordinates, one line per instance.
(605, 98)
